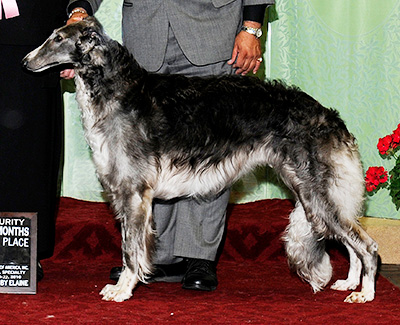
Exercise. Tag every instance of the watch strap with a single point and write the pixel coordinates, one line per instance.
(257, 32)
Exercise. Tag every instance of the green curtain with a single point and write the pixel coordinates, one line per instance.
(344, 53)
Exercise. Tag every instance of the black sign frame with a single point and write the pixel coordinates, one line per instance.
(18, 252)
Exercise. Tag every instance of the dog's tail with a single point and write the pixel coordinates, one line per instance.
(306, 250)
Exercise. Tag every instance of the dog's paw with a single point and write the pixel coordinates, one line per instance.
(360, 297)
(116, 293)
(345, 285)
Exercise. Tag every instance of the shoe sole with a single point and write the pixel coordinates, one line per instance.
(198, 287)
(169, 279)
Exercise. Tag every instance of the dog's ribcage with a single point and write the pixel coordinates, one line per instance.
(164, 174)
(202, 181)
(189, 142)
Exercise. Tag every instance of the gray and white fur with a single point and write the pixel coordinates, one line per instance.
(169, 136)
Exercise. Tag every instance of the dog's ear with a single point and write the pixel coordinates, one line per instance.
(88, 40)
(93, 35)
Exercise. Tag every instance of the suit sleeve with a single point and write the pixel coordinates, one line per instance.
(258, 2)
(255, 12)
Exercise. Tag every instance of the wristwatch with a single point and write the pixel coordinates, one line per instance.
(257, 32)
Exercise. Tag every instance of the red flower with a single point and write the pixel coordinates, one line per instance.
(384, 144)
(389, 143)
(377, 177)
(396, 137)
(374, 177)
(397, 131)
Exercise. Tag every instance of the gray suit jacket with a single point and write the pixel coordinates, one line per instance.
(204, 29)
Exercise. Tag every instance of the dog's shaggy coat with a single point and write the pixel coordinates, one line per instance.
(168, 136)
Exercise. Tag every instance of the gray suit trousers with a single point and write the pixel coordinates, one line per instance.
(189, 228)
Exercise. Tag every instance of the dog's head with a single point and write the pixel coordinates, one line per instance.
(66, 45)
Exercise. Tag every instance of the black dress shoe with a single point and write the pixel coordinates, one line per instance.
(200, 275)
(162, 273)
(115, 273)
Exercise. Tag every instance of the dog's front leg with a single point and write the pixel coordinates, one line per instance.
(137, 246)
(123, 289)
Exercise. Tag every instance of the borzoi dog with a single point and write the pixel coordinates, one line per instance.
(169, 136)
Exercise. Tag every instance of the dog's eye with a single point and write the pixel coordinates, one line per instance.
(58, 39)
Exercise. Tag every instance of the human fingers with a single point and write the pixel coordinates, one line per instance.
(77, 14)
(67, 74)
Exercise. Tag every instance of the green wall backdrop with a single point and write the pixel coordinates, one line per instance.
(343, 53)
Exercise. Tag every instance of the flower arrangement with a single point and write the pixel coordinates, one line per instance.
(377, 177)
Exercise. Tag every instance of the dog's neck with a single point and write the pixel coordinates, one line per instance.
(103, 73)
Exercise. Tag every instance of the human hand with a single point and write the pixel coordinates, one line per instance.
(77, 15)
(67, 74)
(246, 54)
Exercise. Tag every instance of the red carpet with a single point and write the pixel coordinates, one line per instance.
(255, 283)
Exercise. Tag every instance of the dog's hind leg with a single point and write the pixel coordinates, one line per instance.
(353, 277)
(306, 250)
(363, 253)
(366, 250)
(346, 191)
(137, 245)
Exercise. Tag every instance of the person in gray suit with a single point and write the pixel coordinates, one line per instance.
(195, 38)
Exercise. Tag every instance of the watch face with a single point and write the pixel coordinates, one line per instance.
(257, 32)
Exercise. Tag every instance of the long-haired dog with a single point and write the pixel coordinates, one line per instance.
(169, 136)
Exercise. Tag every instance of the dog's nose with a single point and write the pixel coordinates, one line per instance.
(24, 63)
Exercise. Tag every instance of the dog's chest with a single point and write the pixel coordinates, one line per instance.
(95, 135)
(85, 102)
